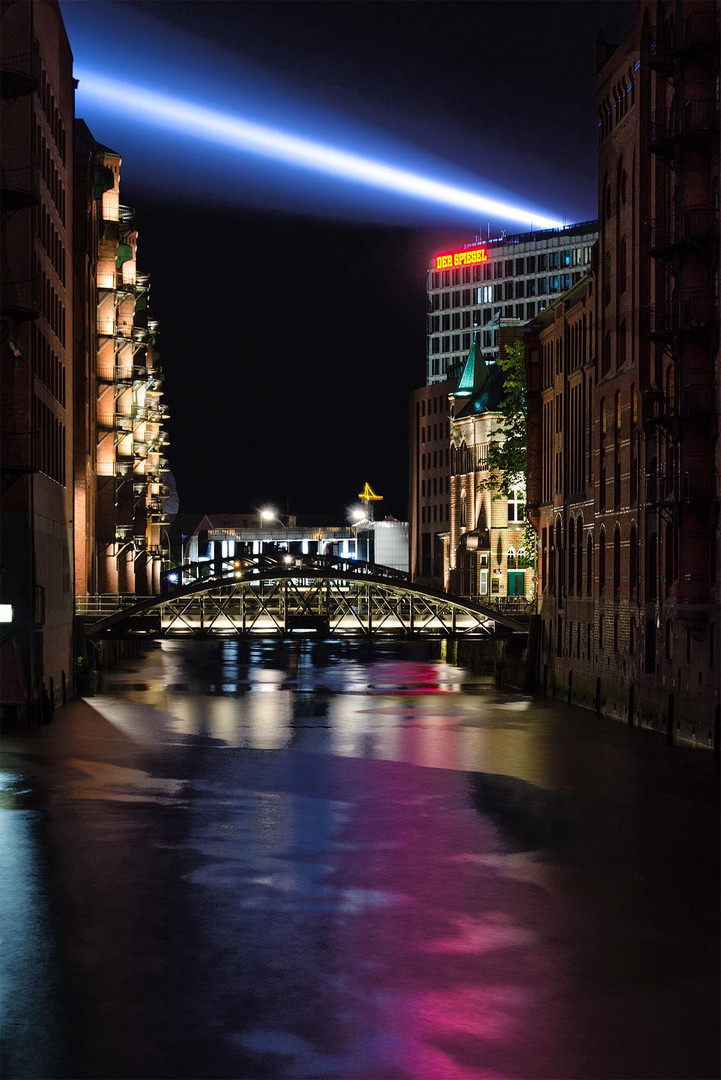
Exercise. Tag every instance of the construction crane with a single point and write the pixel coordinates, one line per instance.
(368, 497)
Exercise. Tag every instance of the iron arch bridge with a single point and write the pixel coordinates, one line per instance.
(292, 595)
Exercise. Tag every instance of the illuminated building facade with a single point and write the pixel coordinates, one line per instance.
(629, 509)
(512, 277)
(129, 415)
(36, 312)
(484, 549)
(489, 286)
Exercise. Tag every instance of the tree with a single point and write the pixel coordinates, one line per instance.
(508, 449)
(507, 453)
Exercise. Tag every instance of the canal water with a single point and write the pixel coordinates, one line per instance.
(350, 861)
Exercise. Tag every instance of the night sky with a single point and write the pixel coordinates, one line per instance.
(292, 309)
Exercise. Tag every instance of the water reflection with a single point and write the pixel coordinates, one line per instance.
(303, 860)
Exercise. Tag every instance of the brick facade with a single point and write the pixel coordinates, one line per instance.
(627, 428)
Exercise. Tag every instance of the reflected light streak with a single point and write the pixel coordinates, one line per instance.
(211, 125)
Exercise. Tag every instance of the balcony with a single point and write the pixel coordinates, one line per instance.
(696, 312)
(20, 74)
(660, 54)
(18, 452)
(686, 487)
(19, 182)
(694, 119)
(691, 403)
(698, 32)
(696, 225)
(19, 300)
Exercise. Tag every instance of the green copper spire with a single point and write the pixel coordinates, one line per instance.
(467, 382)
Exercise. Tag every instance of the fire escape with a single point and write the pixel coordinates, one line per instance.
(680, 407)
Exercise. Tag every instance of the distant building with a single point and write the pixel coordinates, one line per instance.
(36, 357)
(486, 285)
(384, 543)
(627, 405)
(429, 475)
(510, 277)
(484, 550)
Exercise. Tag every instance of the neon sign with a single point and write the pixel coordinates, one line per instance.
(461, 258)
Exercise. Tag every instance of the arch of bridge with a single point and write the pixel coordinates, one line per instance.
(251, 574)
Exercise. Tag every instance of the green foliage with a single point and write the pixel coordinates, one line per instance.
(507, 456)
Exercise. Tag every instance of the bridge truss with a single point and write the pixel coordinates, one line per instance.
(307, 594)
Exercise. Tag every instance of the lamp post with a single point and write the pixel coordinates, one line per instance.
(268, 515)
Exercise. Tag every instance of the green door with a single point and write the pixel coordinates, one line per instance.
(516, 583)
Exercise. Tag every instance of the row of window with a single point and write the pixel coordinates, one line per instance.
(52, 114)
(50, 240)
(437, 514)
(434, 460)
(507, 290)
(49, 435)
(503, 268)
(616, 105)
(437, 485)
(436, 404)
(579, 336)
(613, 634)
(47, 366)
(49, 173)
(564, 569)
(51, 305)
(432, 433)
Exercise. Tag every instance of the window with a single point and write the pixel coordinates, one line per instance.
(511, 559)
(616, 561)
(601, 563)
(517, 505)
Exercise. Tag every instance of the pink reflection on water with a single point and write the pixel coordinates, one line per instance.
(463, 978)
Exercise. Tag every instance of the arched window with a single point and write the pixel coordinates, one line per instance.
(571, 557)
(579, 555)
(589, 566)
(601, 562)
(560, 560)
(633, 562)
(511, 559)
(616, 561)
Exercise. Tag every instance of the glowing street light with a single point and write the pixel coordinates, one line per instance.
(268, 514)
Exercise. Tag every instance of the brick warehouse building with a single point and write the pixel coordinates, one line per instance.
(82, 439)
(36, 357)
(628, 508)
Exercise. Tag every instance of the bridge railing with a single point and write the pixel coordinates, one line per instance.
(102, 604)
(232, 568)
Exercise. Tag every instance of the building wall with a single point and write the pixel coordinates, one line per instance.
(429, 481)
(36, 346)
(643, 645)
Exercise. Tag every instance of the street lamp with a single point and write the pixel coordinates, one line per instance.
(268, 514)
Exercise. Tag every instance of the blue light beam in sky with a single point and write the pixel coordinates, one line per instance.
(246, 136)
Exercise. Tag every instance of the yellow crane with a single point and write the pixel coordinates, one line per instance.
(368, 497)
